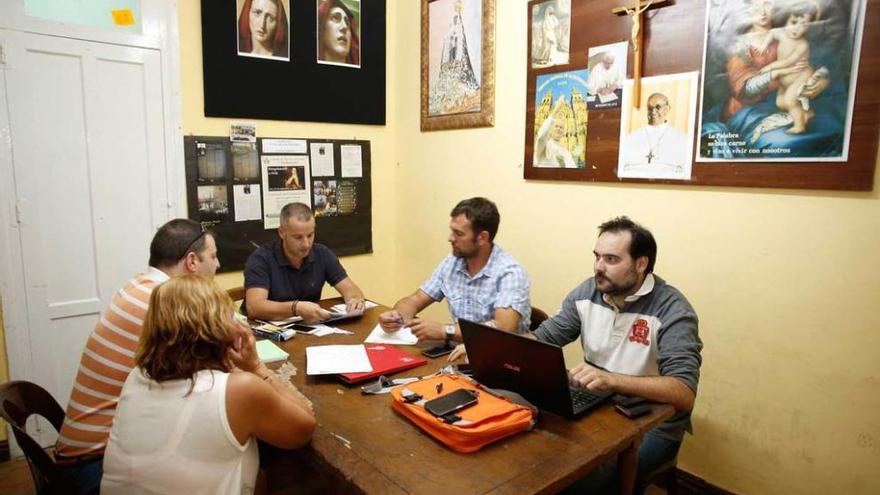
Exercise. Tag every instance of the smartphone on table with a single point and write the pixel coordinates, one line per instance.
(437, 351)
(451, 402)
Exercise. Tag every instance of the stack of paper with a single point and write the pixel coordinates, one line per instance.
(340, 308)
(334, 359)
(404, 336)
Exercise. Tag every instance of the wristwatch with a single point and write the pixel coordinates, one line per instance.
(449, 329)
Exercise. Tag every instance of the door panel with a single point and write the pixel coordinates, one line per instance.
(126, 137)
(87, 134)
(51, 165)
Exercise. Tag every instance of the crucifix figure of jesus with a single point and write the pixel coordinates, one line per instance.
(635, 12)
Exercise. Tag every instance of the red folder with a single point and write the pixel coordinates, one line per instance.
(386, 359)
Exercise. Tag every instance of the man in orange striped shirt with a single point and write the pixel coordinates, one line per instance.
(179, 247)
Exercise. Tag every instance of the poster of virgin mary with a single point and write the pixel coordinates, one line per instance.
(779, 80)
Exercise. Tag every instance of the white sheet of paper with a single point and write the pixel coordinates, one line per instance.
(246, 200)
(285, 146)
(322, 330)
(322, 159)
(334, 359)
(351, 157)
(404, 336)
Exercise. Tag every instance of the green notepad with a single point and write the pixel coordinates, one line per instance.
(269, 352)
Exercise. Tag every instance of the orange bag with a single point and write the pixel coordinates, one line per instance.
(491, 418)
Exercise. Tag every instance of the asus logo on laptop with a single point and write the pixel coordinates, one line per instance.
(511, 367)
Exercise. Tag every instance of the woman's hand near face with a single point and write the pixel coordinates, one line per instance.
(243, 352)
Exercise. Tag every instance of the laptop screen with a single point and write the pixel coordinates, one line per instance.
(534, 369)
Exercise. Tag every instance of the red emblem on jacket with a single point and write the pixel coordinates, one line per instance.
(639, 332)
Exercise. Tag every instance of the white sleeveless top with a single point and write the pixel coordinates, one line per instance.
(165, 441)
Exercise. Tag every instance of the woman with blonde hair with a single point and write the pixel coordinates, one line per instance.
(198, 395)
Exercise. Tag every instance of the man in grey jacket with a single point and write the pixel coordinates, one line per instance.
(639, 336)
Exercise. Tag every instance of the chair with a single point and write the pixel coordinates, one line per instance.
(18, 401)
(538, 317)
(236, 293)
(664, 476)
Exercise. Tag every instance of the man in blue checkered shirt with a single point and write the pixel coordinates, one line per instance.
(480, 281)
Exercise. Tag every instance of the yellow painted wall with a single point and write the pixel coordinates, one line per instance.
(786, 283)
(370, 271)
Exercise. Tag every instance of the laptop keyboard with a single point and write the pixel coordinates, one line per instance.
(582, 399)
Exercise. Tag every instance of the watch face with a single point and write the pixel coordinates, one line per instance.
(450, 329)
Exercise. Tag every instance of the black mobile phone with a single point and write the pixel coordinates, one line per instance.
(451, 402)
(437, 351)
(633, 412)
(299, 327)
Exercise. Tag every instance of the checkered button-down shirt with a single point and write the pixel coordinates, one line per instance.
(502, 283)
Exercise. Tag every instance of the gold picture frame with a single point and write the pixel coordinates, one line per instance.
(458, 105)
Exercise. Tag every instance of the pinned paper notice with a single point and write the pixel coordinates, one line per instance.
(404, 336)
(322, 160)
(351, 160)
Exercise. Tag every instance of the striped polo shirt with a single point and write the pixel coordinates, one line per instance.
(106, 361)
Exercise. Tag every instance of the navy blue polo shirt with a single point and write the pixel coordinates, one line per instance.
(268, 268)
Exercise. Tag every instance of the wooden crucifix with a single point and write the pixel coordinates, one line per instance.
(635, 12)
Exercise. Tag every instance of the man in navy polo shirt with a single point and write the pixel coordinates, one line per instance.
(285, 277)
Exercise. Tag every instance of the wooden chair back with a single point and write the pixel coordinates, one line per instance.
(538, 317)
(236, 293)
(18, 401)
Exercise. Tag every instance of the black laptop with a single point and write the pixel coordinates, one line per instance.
(535, 370)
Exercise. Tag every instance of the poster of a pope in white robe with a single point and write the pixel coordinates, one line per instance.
(657, 139)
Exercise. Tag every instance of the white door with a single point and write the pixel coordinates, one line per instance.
(87, 136)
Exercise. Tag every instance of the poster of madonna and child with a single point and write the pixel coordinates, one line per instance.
(779, 80)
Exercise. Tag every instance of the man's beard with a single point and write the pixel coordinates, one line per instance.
(463, 254)
(617, 289)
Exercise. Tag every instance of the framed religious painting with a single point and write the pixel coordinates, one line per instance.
(458, 64)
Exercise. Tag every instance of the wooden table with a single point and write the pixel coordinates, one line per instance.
(362, 446)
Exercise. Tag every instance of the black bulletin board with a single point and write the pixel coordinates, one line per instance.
(674, 36)
(347, 231)
(298, 89)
